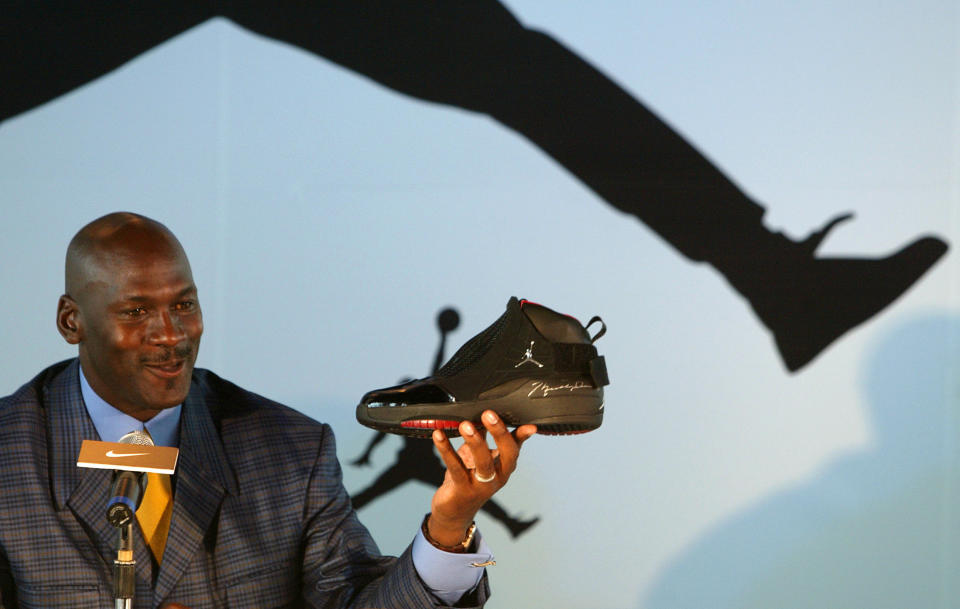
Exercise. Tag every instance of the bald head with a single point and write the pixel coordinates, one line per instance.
(131, 306)
(110, 241)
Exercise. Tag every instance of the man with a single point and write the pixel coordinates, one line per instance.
(259, 516)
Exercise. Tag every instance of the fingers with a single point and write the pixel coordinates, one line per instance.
(508, 444)
(523, 433)
(501, 461)
(455, 467)
(476, 444)
(474, 461)
(474, 472)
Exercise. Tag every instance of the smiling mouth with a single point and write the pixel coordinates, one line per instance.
(166, 369)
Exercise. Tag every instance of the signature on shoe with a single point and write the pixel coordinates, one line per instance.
(548, 389)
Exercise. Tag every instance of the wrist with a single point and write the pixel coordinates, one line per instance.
(448, 536)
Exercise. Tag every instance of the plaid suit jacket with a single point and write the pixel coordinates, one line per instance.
(260, 516)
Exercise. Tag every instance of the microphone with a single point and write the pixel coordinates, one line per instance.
(128, 487)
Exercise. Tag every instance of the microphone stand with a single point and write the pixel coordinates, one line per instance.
(127, 491)
(124, 569)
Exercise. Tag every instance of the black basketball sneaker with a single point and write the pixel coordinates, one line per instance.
(533, 365)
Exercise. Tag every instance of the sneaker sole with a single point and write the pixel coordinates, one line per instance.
(562, 414)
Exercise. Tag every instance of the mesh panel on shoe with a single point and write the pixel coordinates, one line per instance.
(474, 349)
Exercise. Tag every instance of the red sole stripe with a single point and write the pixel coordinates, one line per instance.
(430, 424)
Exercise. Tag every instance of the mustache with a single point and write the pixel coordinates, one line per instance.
(169, 355)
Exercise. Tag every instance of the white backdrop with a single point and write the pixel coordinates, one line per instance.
(329, 219)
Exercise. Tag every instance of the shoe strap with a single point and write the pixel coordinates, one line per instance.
(598, 371)
(603, 328)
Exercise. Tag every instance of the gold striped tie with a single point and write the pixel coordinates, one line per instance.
(155, 511)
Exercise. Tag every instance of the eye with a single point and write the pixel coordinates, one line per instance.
(185, 307)
(136, 312)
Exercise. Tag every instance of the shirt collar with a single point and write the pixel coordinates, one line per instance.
(112, 424)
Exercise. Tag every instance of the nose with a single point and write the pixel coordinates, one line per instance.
(166, 329)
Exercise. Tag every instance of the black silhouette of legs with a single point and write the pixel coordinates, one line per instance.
(476, 55)
(427, 471)
(516, 526)
(50, 48)
(417, 461)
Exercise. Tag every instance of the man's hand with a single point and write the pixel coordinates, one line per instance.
(463, 491)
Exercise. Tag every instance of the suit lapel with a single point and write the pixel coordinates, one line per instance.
(203, 477)
(83, 490)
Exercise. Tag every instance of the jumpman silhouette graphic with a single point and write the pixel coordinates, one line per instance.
(417, 459)
(476, 55)
(528, 358)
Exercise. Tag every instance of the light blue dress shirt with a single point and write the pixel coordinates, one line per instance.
(448, 576)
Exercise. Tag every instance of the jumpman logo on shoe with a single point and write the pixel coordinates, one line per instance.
(528, 358)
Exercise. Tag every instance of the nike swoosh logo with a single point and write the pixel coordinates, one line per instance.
(110, 453)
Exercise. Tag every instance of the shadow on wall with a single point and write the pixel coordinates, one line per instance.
(874, 529)
(479, 57)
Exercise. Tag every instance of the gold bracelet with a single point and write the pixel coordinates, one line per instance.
(460, 548)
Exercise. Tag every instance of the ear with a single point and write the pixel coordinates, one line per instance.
(68, 322)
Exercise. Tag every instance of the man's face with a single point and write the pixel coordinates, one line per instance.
(139, 326)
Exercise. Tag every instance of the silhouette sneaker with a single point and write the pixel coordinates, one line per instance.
(532, 365)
